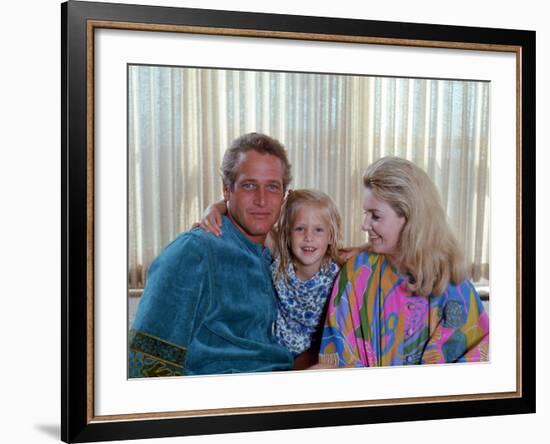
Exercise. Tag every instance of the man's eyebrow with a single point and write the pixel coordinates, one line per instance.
(250, 179)
(270, 182)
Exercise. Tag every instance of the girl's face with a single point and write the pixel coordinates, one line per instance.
(382, 224)
(309, 240)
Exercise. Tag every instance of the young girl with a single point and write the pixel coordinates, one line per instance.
(405, 299)
(306, 243)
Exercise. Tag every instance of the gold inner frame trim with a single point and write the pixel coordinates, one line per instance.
(90, 105)
(298, 36)
(92, 25)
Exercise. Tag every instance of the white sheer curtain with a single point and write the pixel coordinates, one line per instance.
(181, 120)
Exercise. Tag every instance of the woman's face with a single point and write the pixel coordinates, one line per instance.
(382, 224)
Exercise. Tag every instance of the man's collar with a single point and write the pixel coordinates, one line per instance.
(228, 227)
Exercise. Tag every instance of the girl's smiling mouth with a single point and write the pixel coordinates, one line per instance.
(309, 249)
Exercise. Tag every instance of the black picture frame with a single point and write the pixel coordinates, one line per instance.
(79, 19)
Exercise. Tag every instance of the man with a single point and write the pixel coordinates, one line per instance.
(209, 304)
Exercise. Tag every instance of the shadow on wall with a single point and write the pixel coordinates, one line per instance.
(52, 430)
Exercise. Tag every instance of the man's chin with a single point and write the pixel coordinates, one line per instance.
(255, 232)
(260, 224)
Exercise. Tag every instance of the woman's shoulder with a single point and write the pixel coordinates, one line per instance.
(461, 288)
(463, 293)
(364, 259)
(459, 305)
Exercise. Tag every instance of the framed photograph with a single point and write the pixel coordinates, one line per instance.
(151, 99)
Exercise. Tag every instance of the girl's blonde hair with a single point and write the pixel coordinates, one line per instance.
(428, 250)
(282, 232)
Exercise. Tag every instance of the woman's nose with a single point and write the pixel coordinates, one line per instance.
(366, 223)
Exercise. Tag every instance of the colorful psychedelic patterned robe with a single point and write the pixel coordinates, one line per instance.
(373, 319)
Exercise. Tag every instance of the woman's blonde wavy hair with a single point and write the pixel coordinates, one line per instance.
(428, 250)
(282, 231)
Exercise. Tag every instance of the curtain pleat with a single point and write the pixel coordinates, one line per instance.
(181, 120)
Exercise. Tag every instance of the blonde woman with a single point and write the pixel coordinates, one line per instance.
(405, 298)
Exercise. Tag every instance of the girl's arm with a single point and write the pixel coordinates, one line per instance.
(348, 252)
(211, 220)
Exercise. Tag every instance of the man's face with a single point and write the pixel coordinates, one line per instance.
(255, 200)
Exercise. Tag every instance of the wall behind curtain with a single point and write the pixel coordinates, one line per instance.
(181, 120)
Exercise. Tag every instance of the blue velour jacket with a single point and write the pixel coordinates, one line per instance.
(208, 308)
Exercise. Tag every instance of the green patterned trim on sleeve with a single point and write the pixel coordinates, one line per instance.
(152, 356)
